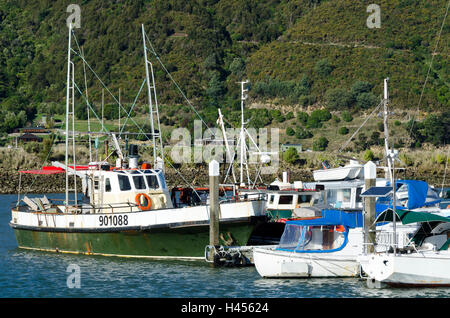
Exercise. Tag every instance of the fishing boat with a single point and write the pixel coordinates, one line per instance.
(424, 262)
(125, 209)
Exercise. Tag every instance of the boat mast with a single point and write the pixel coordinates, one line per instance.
(87, 107)
(150, 87)
(227, 147)
(70, 119)
(386, 132)
(242, 135)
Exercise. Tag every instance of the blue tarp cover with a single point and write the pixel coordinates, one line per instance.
(333, 217)
(417, 195)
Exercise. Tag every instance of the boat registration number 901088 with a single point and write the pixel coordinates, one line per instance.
(115, 220)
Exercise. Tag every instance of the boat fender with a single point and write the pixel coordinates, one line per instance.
(143, 207)
(325, 165)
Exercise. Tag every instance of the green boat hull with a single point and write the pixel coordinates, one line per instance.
(177, 243)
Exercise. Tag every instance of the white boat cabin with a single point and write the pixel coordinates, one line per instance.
(144, 187)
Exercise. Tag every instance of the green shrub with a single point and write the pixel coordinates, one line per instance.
(320, 144)
(313, 122)
(321, 115)
(368, 155)
(290, 131)
(407, 160)
(302, 117)
(291, 155)
(338, 98)
(323, 67)
(366, 100)
(360, 87)
(289, 115)
(347, 117)
(343, 130)
(440, 158)
(303, 133)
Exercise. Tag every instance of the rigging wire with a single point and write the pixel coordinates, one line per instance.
(136, 124)
(429, 68)
(176, 84)
(357, 130)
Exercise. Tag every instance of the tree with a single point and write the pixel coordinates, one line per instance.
(346, 116)
(343, 130)
(291, 155)
(302, 117)
(338, 98)
(303, 133)
(366, 100)
(320, 144)
(290, 131)
(237, 67)
(360, 87)
(368, 155)
(323, 67)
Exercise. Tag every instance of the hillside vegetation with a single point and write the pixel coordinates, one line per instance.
(299, 55)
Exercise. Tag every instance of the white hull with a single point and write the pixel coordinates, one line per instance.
(341, 173)
(424, 268)
(173, 217)
(273, 263)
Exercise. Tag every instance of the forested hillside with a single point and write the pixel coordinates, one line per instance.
(297, 53)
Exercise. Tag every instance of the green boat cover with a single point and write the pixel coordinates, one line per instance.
(407, 217)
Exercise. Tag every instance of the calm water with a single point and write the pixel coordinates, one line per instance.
(35, 274)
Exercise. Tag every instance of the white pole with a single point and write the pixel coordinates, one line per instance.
(150, 105)
(87, 107)
(119, 114)
(370, 175)
(67, 115)
(242, 134)
(386, 132)
(227, 147)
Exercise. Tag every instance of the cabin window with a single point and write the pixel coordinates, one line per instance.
(271, 198)
(139, 182)
(304, 198)
(107, 185)
(124, 183)
(358, 195)
(285, 199)
(152, 181)
(162, 181)
(347, 194)
(95, 184)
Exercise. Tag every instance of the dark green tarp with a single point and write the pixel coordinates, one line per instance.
(407, 217)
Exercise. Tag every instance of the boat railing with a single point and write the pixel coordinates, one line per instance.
(54, 205)
(84, 208)
(244, 198)
(385, 240)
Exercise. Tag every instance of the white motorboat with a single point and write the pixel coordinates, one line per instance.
(353, 170)
(321, 247)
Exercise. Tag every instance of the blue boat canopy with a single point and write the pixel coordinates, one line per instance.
(419, 194)
(333, 217)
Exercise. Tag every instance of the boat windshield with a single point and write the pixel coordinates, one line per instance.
(310, 239)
